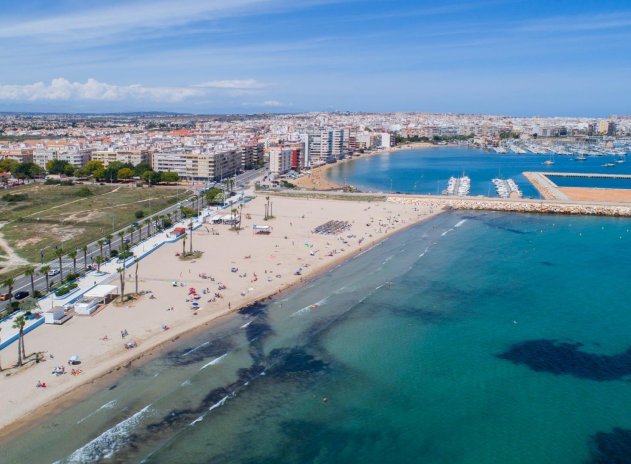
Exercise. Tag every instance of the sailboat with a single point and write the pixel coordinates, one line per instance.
(549, 162)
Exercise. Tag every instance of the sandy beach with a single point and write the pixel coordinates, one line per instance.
(317, 179)
(251, 267)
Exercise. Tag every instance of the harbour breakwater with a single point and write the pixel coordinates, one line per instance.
(437, 202)
(522, 206)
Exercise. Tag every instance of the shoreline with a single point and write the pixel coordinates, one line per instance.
(317, 180)
(104, 372)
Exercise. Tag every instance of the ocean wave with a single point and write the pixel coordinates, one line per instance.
(460, 223)
(108, 405)
(195, 349)
(105, 445)
(214, 361)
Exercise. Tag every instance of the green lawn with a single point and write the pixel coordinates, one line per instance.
(56, 215)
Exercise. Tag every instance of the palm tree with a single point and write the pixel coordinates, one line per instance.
(184, 244)
(30, 272)
(131, 234)
(147, 222)
(19, 323)
(109, 243)
(99, 260)
(100, 244)
(139, 229)
(121, 235)
(59, 252)
(73, 255)
(9, 282)
(85, 256)
(121, 274)
(136, 262)
(44, 271)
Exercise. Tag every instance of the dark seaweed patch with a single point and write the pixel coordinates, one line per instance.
(547, 263)
(253, 310)
(567, 358)
(287, 361)
(311, 441)
(611, 448)
(192, 355)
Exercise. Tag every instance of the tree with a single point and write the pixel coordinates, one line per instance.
(99, 260)
(121, 274)
(91, 167)
(109, 238)
(85, 256)
(125, 174)
(69, 170)
(121, 235)
(59, 252)
(151, 177)
(169, 177)
(73, 256)
(30, 272)
(27, 171)
(44, 271)
(9, 282)
(147, 222)
(56, 166)
(141, 168)
(100, 244)
(190, 226)
(9, 165)
(19, 323)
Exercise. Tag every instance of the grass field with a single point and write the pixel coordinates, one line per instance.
(73, 216)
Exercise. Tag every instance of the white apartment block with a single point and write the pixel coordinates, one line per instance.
(77, 158)
(325, 146)
(280, 162)
(199, 166)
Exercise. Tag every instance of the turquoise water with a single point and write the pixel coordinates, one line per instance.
(428, 171)
(471, 338)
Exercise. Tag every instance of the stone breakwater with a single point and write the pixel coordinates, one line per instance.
(544, 207)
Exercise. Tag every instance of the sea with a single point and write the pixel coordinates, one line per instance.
(473, 337)
(428, 171)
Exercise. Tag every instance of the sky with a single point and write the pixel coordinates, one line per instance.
(520, 58)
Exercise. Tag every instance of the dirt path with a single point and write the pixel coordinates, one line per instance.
(11, 258)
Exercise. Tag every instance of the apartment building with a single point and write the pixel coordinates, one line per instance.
(325, 146)
(214, 165)
(20, 155)
(77, 158)
(280, 161)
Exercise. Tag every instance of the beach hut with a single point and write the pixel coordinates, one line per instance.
(54, 315)
(102, 293)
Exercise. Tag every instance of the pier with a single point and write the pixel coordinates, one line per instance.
(551, 191)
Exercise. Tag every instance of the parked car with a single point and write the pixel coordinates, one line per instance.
(20, 295)
(4, 296)
(53, 272)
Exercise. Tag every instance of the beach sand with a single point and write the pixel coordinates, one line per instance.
(273, 259)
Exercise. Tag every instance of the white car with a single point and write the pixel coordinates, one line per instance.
(53, 272)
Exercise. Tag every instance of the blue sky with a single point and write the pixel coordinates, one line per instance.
(552, 58)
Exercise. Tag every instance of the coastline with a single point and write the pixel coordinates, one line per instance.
(317, 178)
(110, 367)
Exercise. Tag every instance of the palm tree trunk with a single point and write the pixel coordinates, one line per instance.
(22, 340)
(47, 285)
(136, 277)
(61, 270)
(19, 352)
(32, 286)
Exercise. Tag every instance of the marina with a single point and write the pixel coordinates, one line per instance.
(458, 186)
(506, 188)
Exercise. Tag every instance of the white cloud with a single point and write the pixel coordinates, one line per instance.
(234, 84)
(61, 89)
(272, 103)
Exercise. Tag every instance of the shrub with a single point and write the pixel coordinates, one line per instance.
(66, 289)
(139, 214)
(84, 192)
(15, 197)
(125, 255)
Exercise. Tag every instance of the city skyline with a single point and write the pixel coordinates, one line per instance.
(250, 56)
